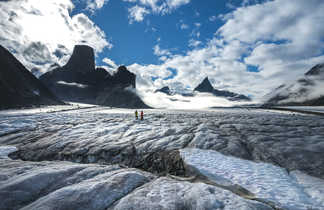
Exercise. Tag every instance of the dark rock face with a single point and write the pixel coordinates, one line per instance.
(120, 97)
(306, 91)
(316, 70)
(82, 59)
(165, 90)
(19, 87)
(206, 87)
(80, 81)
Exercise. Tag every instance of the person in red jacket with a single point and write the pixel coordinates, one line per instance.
(142, 115)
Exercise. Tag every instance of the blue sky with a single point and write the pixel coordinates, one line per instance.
(245, 46)
(134, 43)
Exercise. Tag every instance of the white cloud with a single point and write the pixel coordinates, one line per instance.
(160, 52)
(110, 62)
(279, 32)
(173, 4)
(200, 101)
(212, 18)
(159, 7)
(282, 38)
(137, 14)
(41, 33)
(194, 43)
(184, 26)
(93, 5)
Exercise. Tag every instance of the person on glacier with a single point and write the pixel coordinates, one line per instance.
(142, 115)
(136, 115)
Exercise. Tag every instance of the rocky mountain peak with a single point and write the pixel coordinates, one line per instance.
(19, 87)
(82, 59)
(205, 86)
(316, 70)
(165, 90)
(124, 77)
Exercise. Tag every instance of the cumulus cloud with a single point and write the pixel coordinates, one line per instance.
(93, 5)
(194, 43)
(160, 7)
(110, 62)
(184, 26)
(212, 18)
(137, 13)
(161, 52)
(200, 101)
(280, 39)
(42, 33)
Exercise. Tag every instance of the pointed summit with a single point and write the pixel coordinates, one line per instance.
(205, 86)
(82, 59)
(165, 90)
(123, 77)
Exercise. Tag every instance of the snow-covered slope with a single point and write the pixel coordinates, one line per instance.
(308, 90)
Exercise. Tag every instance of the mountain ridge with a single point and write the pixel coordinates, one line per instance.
(306, 91)
(19, 87)
(206, 87)
(82, 82)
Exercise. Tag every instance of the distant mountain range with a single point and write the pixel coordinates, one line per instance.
(165, 90)
(206, 87)
(80, 81)
(307, 91)
(19, 87)
(77, 81)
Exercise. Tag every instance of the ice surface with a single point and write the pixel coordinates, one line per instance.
(109, 136)
(265, 180)
(45, 109)
(6, 150)
(168, 194)
(312, 185)
(319, 109)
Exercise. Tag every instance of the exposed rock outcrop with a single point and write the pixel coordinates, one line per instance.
(307, 91)
(19, 87)
(165, 90)
(80, 81)
(206, 87)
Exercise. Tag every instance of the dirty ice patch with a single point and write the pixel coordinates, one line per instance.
(266, 181)
(6, 150)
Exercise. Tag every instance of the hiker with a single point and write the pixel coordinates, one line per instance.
(142, 115)
(136, 115)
